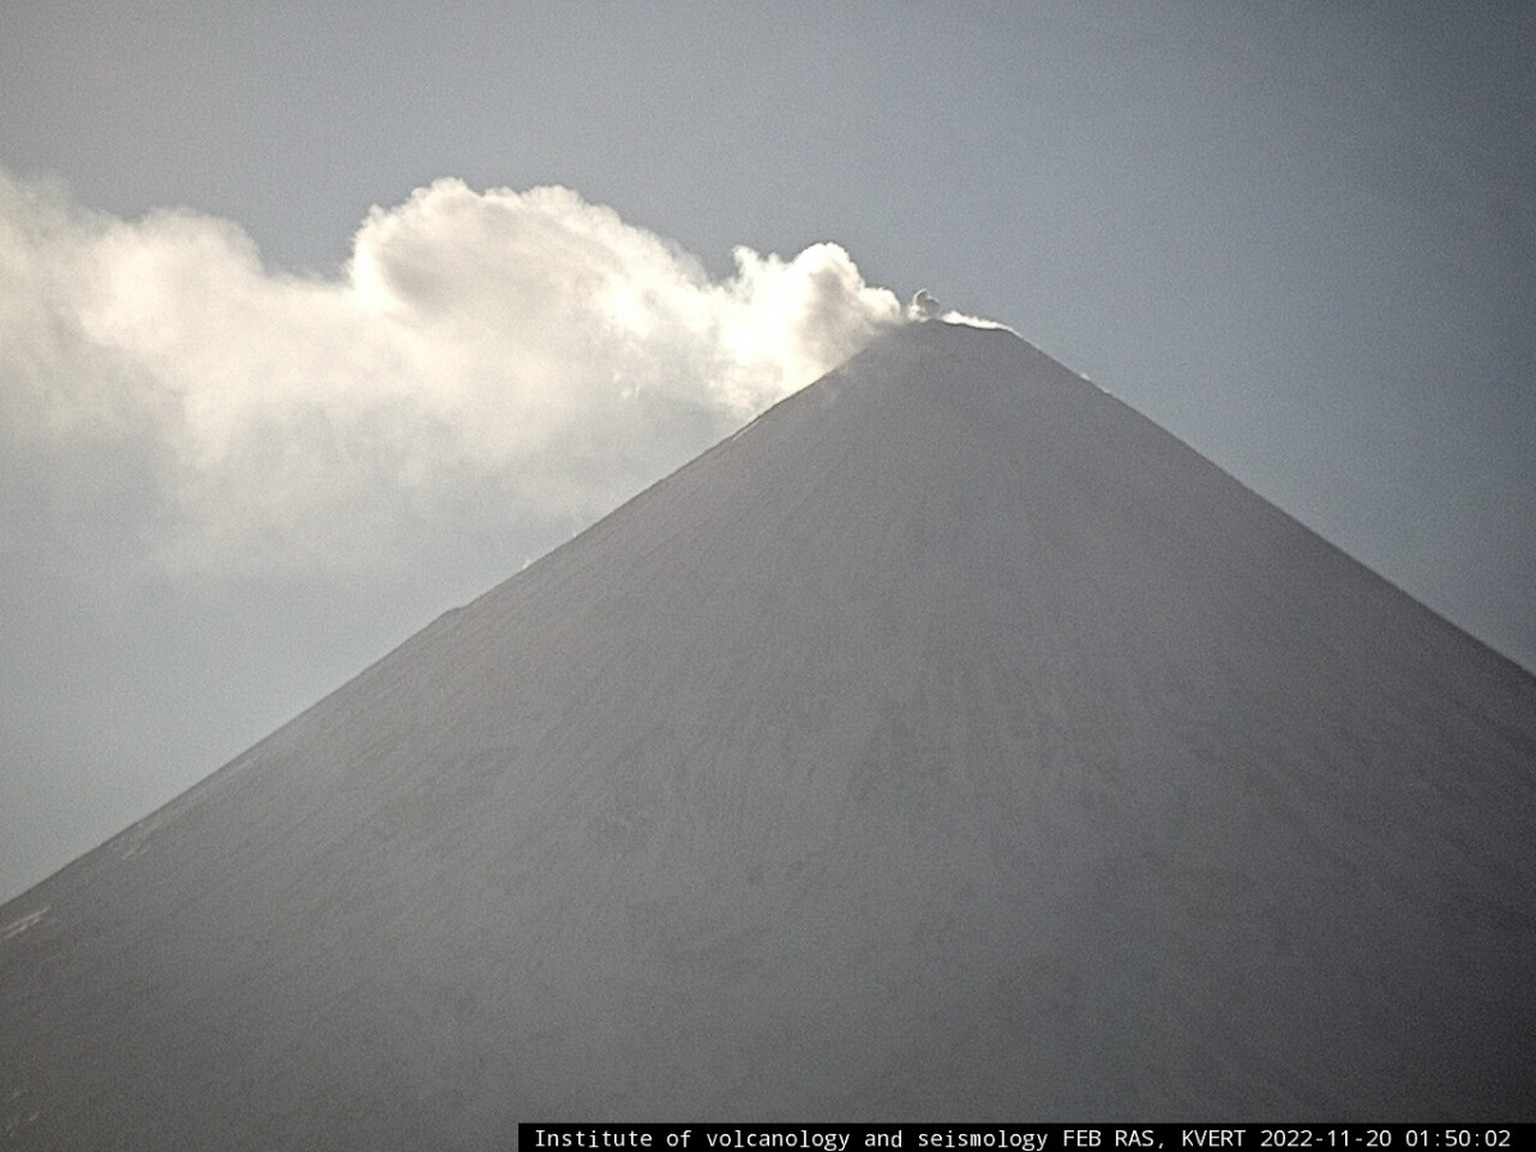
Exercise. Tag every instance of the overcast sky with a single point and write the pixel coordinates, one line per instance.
(319, 318)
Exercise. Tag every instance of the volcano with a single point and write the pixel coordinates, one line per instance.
(951, 743)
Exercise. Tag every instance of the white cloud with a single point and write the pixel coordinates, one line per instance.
(969, 321)
(925, 307)
(519, 354)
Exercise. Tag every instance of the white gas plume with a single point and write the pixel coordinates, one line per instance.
(522, 356)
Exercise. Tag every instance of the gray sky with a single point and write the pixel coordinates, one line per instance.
(254, 435)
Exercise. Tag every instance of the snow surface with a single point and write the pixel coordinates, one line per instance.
(951, 744)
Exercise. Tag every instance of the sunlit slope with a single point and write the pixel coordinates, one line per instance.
(952, 743)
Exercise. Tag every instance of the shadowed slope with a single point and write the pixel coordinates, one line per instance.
(951, 743)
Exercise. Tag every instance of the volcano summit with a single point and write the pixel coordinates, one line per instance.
(951, 743)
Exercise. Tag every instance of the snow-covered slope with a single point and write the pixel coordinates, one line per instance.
(951, 743)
